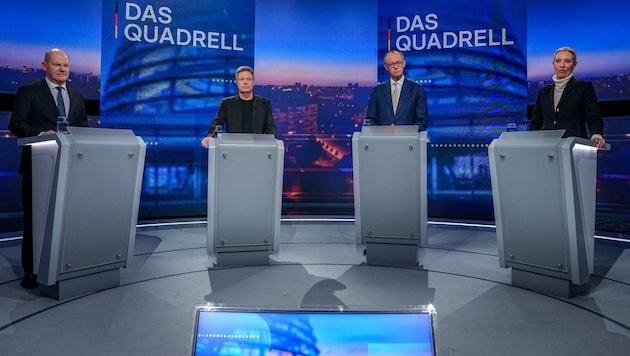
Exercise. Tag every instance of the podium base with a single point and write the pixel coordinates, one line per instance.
(557, 287)
(77, 286)
(394, 255)
(242, 258)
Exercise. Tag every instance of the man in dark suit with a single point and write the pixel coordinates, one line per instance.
(399, 101)
(35, 113)
(569, 104)
(244, 112)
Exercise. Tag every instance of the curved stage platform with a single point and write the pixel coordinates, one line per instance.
(319, 264)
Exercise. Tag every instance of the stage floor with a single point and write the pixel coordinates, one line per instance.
(319, 264)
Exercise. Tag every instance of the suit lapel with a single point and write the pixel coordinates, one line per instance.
(47, 97)
(388, 95)
(238, 119)
(73, 99)
(254, 105)
(402, 97)
(547, 100)
(567, 90)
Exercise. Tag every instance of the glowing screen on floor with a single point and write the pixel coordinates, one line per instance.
(347, 333)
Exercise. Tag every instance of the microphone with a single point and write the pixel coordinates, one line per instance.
(215, 130)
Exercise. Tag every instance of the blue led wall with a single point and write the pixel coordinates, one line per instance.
(317, 62)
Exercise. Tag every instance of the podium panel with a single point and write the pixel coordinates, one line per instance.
(543, 188)
(244, 197)
(86, 193)
(389, 165)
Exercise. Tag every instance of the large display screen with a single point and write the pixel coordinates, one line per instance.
(160, 68)
(220, 331)
(26, 33)
(317, 66)
(597, 33)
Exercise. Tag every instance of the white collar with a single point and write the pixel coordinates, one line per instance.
(52, 85)
(391, 81)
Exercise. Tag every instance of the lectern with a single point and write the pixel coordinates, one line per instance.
(543, 188)
(86, 192)
(390, 184)
(244, 198)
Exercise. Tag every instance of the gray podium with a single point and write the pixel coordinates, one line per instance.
(390, 184)
(86, 191)
(543, 188)
(245, 174)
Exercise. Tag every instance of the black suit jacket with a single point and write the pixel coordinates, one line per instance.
(229, 116)
(577, 109)
(35, 111)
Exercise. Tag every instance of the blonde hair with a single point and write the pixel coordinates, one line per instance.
(566, 49)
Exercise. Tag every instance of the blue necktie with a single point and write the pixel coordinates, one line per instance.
(60, 105)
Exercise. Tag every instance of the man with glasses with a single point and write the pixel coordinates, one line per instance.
(399, 101)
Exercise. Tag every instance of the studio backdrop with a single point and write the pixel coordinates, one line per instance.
(161, 67)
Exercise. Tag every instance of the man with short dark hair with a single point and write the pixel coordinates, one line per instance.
(244, 112)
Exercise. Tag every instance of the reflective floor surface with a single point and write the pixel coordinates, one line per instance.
(319, 264)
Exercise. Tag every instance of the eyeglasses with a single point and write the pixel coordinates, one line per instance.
(393, 64)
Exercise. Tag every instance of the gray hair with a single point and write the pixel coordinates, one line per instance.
(242, 69)
(393, 51)
(51, 51)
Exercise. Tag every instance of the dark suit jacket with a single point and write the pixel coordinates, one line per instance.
(577, 109)
(35, 111)
(412, 105)
(229, 116)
